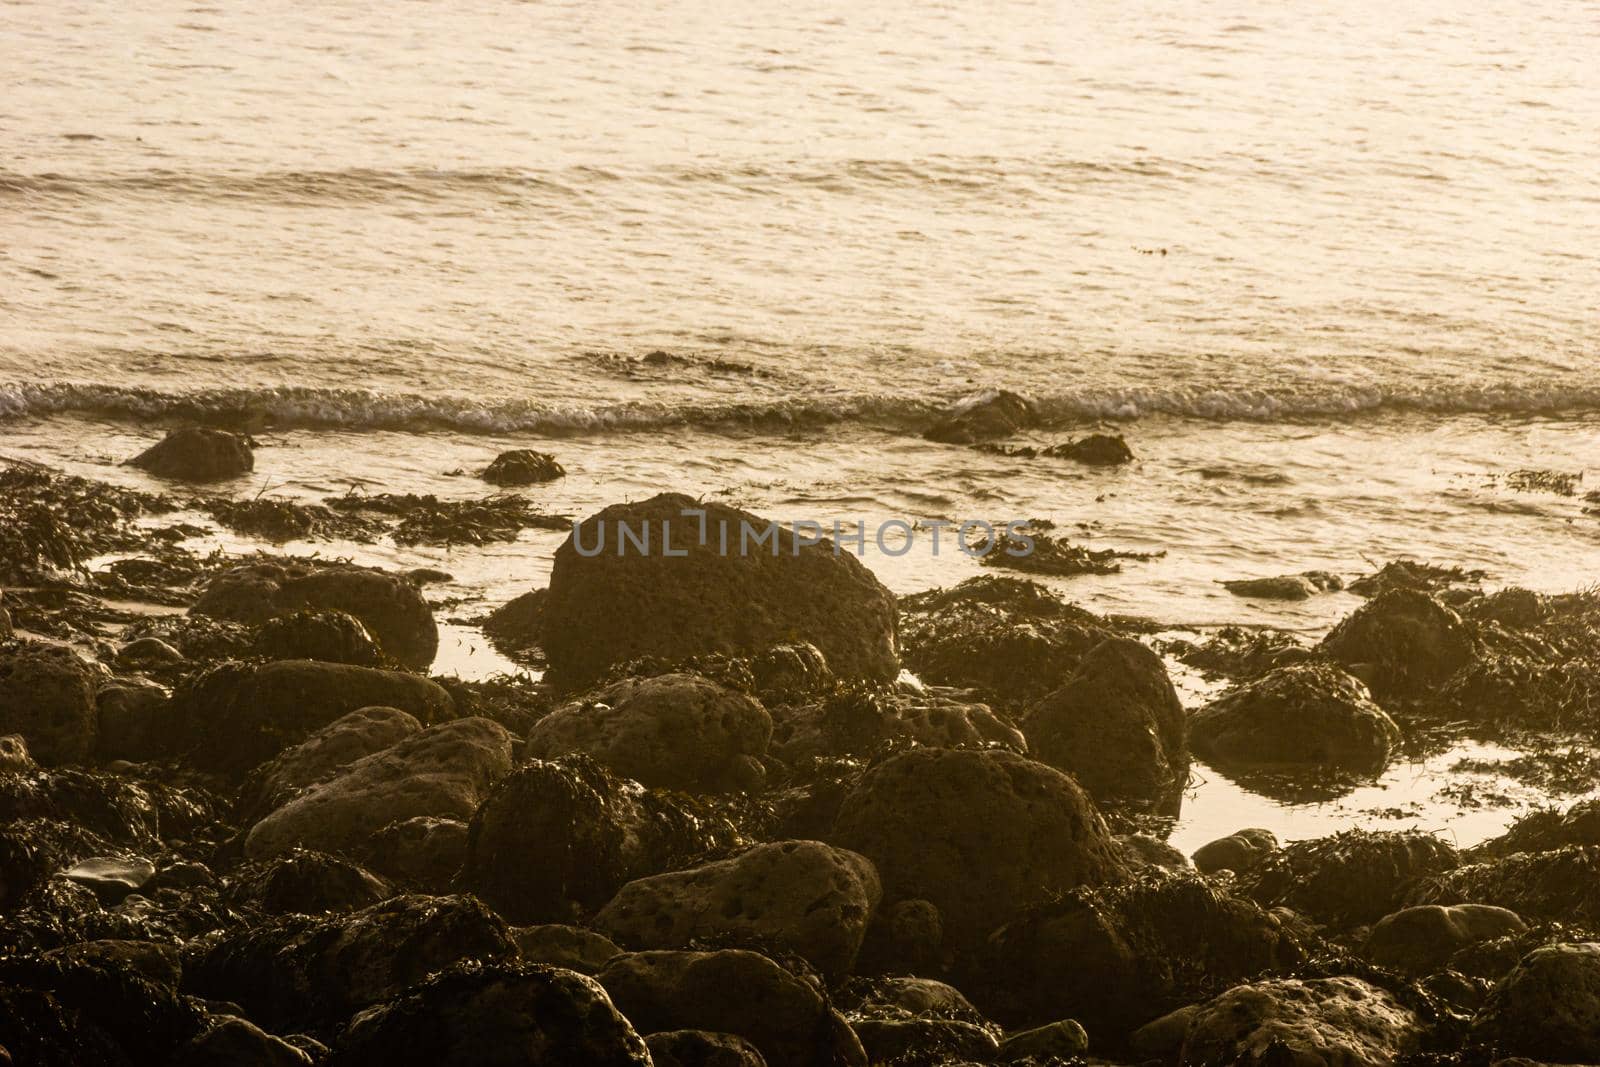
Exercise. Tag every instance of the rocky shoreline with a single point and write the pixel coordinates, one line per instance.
(240, 823)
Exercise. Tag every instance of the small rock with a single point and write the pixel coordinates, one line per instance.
(1064, 1039)
(983, 418)
(1420, 940)
(14, 758)
(329, 636)
(495, 1015)
(737, 992)
(111, 877)
(233, 1042)
(571, 947)
(1285, 587)
(197, 454)
(1548, 1007)
(47, 696)
(1327, 1020)
(1097, 450)
(674, 731)
(518, 624)
(1304, 713)
(148, 652)
(803, 897)
(305, 882)
(445, 770)
(701, 1048)
(1239, 851)
(523, 466)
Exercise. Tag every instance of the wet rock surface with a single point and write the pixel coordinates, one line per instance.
(1400, 642)
(47, 695)
(610, 608)
(1548, 1008)
(1349, 878)
(801, 897)
(196, 454)
(523, 466)
(1421, 940)
(1331, 1020)
(1308, 713)
(678, 731)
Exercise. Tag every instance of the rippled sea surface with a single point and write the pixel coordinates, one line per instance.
(1332, 269)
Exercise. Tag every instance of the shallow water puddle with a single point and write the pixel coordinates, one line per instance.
(1428, 793)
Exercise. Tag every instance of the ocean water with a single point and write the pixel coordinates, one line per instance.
(1333, 270)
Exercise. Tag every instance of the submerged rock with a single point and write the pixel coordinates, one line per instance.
(1306, 713)
(1010, 639)
(803, 897)
(523, 466)
(1116, 725)
(979, 833)
(390, 606)
(1285, 586)
(1326, 1020)
(1420, 940)
(237, 715)
(1548, 1008)
(197, 454)
(1117, 957)
(675, 731)
(983, 418)
(1401, 641)
(299, 970)
(445, 771)
(736, 992)
(626, 603)
(502, 1014)
(47, 696)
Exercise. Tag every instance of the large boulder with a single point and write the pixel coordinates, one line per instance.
(444, 771)
(803, 897)
(197, 454)
(1420, 940)
(330, 636)
(1117, 957)
(1117, 725)
(624, 602)
(390, 606)
(1547, 1008)
(47, 694)
(237, 715)
(299, 970)
(1341, 1020)
(523, 466)
(1401, 641)
(675, 731)
(1011, 640)
(325, 753)
(1305, 713)
(1349, 878)
(736, 992)
(495, 1015)
(702, 1048)
(978, 833)
(556, 839)
(983, 417)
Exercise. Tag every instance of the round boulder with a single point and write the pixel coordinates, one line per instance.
(1421, 940)
(1304, 713)
(660, 579)
(674, 731)
(803, 897)
(329, 636)
(47, 694)
(1238, 852)
(197, 454)
(978, 833)
(1401, 641)
(523, 466)
(1327, 1020)
(1116, 725)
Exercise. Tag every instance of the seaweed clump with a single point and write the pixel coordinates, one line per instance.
(1032, 550)
(56, 522)
(427, 520)
(287, 520)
